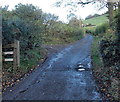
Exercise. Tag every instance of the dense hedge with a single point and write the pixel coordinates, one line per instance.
(110, 49)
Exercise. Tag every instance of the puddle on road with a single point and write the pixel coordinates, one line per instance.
(84, 65)
(80, 66)
(81, 69)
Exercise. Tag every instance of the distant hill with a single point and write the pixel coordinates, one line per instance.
(97, 20)
(92, 16)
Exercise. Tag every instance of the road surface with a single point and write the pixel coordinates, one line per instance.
(58, 78)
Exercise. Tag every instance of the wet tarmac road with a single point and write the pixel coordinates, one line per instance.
(58, 78)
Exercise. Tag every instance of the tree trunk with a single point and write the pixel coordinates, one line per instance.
(119, 5)
(111, 12)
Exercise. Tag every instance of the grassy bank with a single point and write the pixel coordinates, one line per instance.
(99, 23)
(54, 41)
(107, 78)
(67, 35)
(97, 20)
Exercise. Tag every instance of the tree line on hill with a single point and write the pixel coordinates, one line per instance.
(91, 16)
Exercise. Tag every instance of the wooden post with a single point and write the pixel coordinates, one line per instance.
(0, 65)
(0, 55)
(16, 54)
(0, 41)
(0, 52)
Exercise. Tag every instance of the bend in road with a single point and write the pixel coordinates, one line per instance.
(58, 78)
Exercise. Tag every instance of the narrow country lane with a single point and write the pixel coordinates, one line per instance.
(58, 78)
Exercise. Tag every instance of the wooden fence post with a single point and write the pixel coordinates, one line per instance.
(0, 55)
(16, 57)
(0, 51)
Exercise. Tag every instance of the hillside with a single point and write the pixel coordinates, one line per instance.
(97, 20)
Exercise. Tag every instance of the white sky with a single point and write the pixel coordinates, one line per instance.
(47, 6)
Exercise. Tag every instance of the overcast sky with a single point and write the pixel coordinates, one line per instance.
(47, 6)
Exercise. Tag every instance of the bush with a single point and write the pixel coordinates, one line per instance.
(101, 29)
(24, 24)
(108, 52)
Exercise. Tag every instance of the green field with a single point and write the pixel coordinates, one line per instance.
(97, 20)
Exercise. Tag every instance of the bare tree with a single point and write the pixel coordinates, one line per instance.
(110, 4)
(103, 3)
